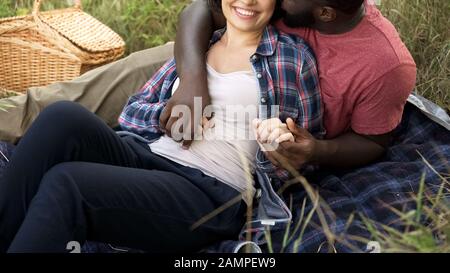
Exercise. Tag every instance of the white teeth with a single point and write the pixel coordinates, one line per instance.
(245, 12)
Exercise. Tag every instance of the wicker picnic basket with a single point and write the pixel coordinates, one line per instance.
(52, 46)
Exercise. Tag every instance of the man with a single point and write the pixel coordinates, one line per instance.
(366, 74)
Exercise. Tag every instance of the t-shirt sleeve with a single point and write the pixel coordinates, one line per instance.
(379, 107)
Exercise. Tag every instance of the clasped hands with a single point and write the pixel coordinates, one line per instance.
(284, 143)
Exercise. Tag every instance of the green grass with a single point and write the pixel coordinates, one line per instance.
(142, 23)
(424, 26)
(427, 228)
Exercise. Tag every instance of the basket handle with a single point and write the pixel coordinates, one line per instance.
(51, 34)
(37, 5)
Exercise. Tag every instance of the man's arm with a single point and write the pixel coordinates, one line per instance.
(196, 25)
(195, 28)
(349, 150)
(379, 110)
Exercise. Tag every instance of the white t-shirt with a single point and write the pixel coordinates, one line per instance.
(227, 151)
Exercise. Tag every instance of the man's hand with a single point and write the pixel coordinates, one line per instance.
(298, 152)
(349, 150)
(184, 95)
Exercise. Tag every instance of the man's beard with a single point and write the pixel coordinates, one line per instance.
(303, 19)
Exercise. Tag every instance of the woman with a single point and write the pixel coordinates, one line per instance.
(72, 178)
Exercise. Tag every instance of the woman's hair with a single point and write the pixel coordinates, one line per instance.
(277, 14)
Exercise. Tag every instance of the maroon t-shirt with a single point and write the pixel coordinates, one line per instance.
(366, 75)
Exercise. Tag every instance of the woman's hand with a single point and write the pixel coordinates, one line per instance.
(271, 132)
(299, 152)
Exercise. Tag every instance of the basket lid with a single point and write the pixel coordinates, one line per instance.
(82, 29)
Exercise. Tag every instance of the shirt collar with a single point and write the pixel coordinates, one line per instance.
(267, 45)
(268, 42)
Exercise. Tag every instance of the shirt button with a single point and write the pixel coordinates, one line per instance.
(259, 75)
(263, 100)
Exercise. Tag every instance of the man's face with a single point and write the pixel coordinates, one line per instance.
(298, 13)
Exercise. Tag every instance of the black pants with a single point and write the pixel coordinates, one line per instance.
(72, 178)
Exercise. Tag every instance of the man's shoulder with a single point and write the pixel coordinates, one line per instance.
(385, 38)
(289, 42)
(373, 50)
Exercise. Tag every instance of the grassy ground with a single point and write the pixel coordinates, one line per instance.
(423, 25)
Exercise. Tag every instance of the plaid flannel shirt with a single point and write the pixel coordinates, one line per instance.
(286, 70)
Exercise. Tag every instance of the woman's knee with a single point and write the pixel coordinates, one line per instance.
(63, 117)
(63, 112)
(59, 182)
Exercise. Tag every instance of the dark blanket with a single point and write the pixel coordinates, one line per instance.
(6, 150)
(373, 191)
(365, 191)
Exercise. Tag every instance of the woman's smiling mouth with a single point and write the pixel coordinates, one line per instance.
(244, 13)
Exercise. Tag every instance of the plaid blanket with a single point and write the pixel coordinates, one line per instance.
(373, 191)
(370, 191)
(5, 153)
